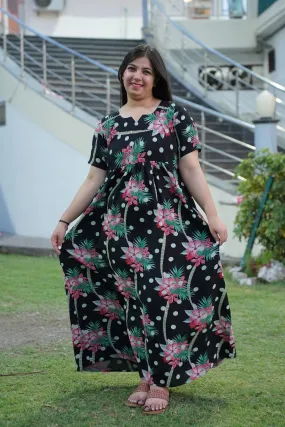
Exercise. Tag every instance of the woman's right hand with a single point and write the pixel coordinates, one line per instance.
(58, 236)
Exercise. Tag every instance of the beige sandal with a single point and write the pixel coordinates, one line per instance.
(141, 387)
(160, 394)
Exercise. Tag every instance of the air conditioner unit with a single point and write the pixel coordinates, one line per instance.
(49, 5)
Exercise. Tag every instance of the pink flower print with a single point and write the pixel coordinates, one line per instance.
(224, 329)
(160, 125)
(109, 224)
(199, 370)
(162, 216)
(134, 255)
(85, 256)
(167, 286)
(195, 141)
(200, 317)
(76, 337)
(89, 209)
(130, 158)
(174, 188)
(141, 157)
(153, 163)
(72, 284)
(132, 186)
(91, 340)
(220, 272)
(124, 286)
(136, 342)
(99, 128)
(171, 352)
(145, 319)
(111, 134)
(108, 308)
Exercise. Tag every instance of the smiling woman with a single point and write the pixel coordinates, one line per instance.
(141, 266)
(144, 65)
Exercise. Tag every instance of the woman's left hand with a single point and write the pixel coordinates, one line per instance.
(218, 229)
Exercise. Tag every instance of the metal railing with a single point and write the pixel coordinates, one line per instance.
(40, 61)
(209, 9)
(212, 75)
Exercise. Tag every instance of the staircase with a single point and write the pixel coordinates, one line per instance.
(91, 87)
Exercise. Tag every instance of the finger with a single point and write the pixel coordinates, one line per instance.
(215, 235)
(224, 236)
(54, 242)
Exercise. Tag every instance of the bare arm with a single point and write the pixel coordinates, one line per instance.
(195, 180)
(85, 194)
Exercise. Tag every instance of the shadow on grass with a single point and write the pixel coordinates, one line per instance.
(104, 406)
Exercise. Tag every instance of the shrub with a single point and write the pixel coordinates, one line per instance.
(256, 169)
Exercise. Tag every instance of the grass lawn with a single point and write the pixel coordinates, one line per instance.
(245, 392)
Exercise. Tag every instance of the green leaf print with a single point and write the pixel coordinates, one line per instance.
(87, 244)
(109, 124)
(170, 114)
(73, 272)
(190, 132)
(205, 302)
(138, 147)
(150, 118)
(68, 235)
(203, 359)
(119, 158)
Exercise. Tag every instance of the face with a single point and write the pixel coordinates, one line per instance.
(138, 78)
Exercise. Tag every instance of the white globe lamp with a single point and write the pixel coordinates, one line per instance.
(265, 105)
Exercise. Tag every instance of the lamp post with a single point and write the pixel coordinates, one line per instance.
(265, 135)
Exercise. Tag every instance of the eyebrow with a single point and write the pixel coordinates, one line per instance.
(144, 68)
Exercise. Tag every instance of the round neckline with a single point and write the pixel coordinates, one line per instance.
(143, 115)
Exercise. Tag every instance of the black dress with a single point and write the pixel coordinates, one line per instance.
(141, 269)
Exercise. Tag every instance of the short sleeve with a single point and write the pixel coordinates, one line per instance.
(99, 151)
(186, 131)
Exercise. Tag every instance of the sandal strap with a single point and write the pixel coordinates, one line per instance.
(142, 387)
(160, 394)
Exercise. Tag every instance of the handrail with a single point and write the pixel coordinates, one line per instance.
(55, 43)
(217, 53)
(114, 72)
(199, 107)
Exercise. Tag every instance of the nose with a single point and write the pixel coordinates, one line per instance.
(137, 75)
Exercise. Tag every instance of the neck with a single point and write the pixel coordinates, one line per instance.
(145, 102)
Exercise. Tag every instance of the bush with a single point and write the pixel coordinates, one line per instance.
(256, 169)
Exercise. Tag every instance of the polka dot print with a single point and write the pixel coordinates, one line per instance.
(141, 269)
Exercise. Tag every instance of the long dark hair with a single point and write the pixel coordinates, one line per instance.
(162, 89)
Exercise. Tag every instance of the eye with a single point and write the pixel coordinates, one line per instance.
(131, 68)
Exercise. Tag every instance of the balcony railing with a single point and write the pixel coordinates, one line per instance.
(207, 9)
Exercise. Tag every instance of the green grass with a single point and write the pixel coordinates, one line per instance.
(30, 284)
(245, 392)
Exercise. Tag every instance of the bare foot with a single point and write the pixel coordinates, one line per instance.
(157, 403)
(139, 397)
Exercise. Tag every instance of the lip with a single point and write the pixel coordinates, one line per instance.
(136, 84)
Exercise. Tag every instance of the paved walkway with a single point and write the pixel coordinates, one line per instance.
(35, 246)
(38, 246)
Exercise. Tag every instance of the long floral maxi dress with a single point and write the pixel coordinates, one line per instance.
(142, 272)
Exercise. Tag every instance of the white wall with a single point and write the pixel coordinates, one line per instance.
(39, 175)
(85, 18)
(222, 34)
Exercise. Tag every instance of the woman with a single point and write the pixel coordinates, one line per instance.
(141, 266)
